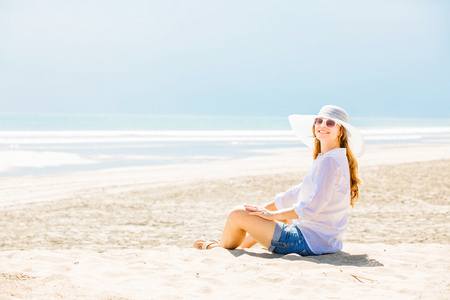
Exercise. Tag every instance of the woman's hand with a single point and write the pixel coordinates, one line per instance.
(260, 212)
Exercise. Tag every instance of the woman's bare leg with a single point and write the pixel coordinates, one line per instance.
(249, 240)
(239, 223)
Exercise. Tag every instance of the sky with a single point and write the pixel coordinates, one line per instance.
(375, 58)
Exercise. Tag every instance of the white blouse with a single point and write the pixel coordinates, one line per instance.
(321, 202)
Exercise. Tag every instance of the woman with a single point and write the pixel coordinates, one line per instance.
(316, 208)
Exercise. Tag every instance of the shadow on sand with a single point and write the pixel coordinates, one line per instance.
(336, 259)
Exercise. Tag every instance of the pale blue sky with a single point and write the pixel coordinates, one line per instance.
(374, 58)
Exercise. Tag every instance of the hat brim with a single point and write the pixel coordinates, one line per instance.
(302, 127)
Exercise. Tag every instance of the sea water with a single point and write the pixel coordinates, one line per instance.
(39, 144)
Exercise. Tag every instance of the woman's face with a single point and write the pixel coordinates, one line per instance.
(326, 134)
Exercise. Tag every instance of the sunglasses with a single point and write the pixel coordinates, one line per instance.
(328, 123)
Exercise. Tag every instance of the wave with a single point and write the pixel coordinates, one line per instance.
(69, 137)
(96, 137)
(406, 133)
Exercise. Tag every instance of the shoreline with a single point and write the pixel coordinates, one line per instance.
(50, 152)
(44, 187)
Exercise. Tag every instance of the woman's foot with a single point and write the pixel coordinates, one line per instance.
(205, 245)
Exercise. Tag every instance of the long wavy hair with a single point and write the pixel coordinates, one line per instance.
(352, 163)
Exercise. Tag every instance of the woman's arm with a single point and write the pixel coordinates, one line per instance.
(278, 215)
(288, 198)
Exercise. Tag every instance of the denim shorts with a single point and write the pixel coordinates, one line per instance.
(289, 239)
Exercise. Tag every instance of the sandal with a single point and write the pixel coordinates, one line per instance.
(206, 244)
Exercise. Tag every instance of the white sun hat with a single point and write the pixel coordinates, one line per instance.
(302, 127)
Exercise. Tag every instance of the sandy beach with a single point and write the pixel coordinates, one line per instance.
(128, 233)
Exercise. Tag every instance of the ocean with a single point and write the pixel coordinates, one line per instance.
(45, 144)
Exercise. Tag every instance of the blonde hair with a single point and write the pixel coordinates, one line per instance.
(352, 163)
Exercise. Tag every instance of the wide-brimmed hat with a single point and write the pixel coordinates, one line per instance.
(302, 126)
